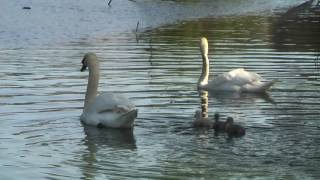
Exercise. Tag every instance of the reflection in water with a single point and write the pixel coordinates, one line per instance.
(41, 104)
(201, 117)
(204, 103)
(240, 98)
(295, 30)
(99, 139)
(317, 64)
(113, 138)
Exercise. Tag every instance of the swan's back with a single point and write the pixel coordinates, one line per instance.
(239, 80)
(110, 110)
(108, 101)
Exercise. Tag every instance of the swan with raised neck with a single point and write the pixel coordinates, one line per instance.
(108, 109)
(236, 80)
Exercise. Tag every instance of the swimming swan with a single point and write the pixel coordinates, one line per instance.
(237, 80)
(108, 109)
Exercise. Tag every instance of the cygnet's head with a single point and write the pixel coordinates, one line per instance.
(229, 120)
(88, 57)
(198, 115)
(216, 116)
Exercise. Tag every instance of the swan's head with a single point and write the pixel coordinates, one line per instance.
(88, 57)
(229, 120)
(204, 46)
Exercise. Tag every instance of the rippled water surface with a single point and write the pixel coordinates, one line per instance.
(42, 92)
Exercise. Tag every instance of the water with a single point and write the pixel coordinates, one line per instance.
(42, 93)
(45, 23)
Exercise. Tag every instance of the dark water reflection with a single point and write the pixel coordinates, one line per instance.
(296, 29)
(100, 143)
(42, 95)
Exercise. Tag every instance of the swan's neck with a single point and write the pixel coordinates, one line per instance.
(93, 81)
(203, 80)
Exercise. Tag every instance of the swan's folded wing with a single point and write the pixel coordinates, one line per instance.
(234, 79)
(116, 109)
(235, 76)
(221, 79)
(240, 77)
(109, 102)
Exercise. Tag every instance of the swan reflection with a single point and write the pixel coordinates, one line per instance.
(201, 116)
(240, 98)
(115, 138)
(100, 143)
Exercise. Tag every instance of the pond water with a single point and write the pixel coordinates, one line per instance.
(42, 92)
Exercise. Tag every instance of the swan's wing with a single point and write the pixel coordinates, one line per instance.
(240, 76)
(110, 110)
(111, 103)
(237, 77)
(115, 109)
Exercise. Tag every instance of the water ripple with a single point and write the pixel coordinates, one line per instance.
(42, 95)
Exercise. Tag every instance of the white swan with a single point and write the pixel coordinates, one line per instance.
(237, 80)
(108, 109)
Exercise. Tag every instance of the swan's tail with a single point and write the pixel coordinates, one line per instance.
(126, 120)
(267, 85)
